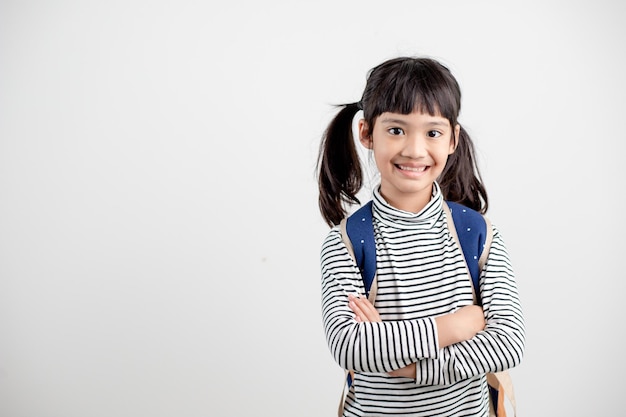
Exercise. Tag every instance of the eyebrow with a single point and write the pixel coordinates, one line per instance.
(403, 123)
(394, 121)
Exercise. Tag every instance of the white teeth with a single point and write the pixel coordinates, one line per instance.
(405, 168)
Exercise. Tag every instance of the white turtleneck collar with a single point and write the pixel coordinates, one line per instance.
(394, 217)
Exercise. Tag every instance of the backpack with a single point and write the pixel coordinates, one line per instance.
(472, 232)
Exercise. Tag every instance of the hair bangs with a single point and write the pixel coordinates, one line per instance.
(412, 85)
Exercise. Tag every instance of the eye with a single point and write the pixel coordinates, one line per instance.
(395, 131)
(434, 133)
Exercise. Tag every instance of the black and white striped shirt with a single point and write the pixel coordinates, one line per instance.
(421, 274)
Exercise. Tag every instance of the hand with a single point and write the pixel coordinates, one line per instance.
(364, 310)
(406, 372)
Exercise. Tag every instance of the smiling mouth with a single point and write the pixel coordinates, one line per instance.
(412, 169)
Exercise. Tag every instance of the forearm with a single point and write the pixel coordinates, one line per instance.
(379, 346)
(360, 346)
(459, 326)
(448, 329)
(502, 343)
(489, 351)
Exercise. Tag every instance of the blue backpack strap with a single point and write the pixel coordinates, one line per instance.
(470, 226)
(360, 230)
(471, 229)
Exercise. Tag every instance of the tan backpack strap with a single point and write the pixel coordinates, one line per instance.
(500, 380)
(346, 240)
(503, 383)
(342, 400)
(372, 296)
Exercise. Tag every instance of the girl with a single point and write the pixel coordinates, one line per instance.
(423, 348)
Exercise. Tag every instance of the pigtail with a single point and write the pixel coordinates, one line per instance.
(339, 169)
(460, 180)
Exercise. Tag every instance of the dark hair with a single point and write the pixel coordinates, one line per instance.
(399, 85)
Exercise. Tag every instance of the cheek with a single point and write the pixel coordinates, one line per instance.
(381, 157)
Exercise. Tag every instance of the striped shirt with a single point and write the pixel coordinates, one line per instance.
(421, 274)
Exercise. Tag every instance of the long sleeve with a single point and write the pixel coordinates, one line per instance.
(421, 274)
(501, 345)
(366, 347)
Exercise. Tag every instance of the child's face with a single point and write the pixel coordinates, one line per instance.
(410, 151)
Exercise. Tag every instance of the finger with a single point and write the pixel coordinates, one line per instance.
(363, 308)
(368, 311)
(356, 309)
(365, 305)
(406, 372)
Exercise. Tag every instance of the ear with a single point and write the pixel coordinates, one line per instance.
(364, 134)
(455, 142)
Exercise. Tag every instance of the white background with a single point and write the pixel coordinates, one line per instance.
(159, 231)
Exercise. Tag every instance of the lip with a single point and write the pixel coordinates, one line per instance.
(412, 171)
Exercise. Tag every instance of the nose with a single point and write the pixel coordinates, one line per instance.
(415, 146)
